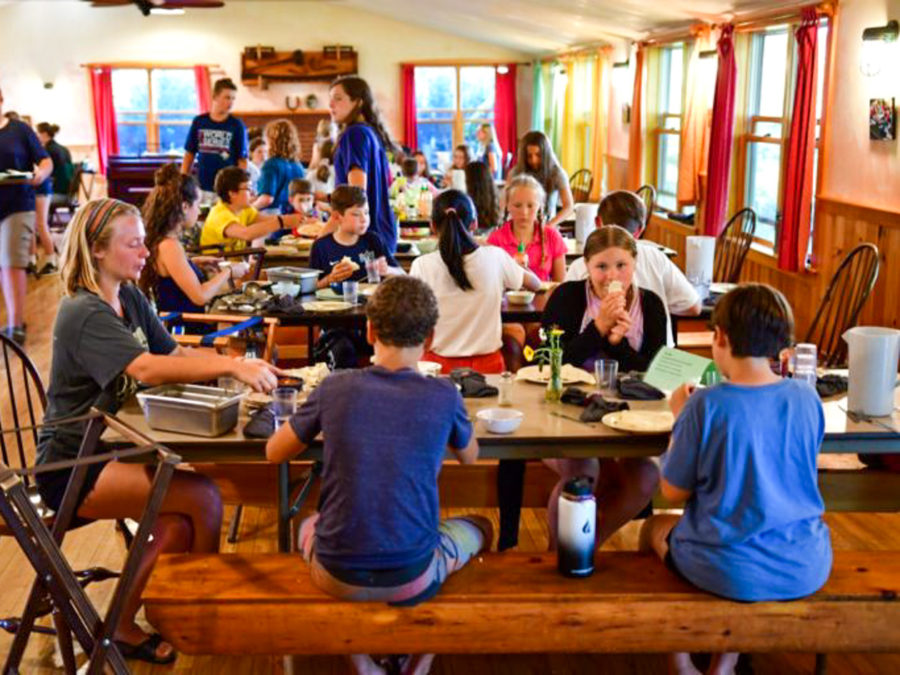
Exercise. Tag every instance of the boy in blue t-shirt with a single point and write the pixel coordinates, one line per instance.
(339, 255)
(217, 138)
(743, 458)
(378, 536)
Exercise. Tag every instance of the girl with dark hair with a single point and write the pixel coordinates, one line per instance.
(483, 191)
(468, 281)
(360, 157)
(175, 281)
(536, 159)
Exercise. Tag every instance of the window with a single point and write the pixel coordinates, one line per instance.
(451, 102)
(154, 108)
(668, 131)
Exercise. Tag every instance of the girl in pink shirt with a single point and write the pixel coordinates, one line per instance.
(541, 249)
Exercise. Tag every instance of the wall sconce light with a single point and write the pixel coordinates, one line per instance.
(502, 70)
(876, 47)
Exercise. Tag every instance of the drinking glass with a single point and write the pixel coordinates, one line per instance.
(284, 403)
(606, 371)
(373, 276)
(805, 362)
(351, 291)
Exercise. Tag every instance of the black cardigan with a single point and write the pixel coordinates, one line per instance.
(565, 309)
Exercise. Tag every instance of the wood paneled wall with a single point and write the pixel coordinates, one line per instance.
(839, 227)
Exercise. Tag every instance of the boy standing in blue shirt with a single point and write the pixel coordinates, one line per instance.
(378, 536)
(217, 139)
(743, 458)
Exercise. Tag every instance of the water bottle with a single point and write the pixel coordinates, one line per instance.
(577, 528)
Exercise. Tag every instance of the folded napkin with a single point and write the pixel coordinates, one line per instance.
(831, 385)
(638, 390)
(261, 423)
(283, 304)
(472, 383)
(575, 396)
(599, 406)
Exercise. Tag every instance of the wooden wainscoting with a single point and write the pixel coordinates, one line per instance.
(839, 227)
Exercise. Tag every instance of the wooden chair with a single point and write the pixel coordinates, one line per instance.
(844, 298)
(581, 183)
(219, 251)
(71, 204)
(732, 246)
(232, 337)
(647, 193)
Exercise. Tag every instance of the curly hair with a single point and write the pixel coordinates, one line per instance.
(283, 139)
(163, 215)
(403, 311)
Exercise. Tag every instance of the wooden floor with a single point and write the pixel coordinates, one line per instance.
(98, 544)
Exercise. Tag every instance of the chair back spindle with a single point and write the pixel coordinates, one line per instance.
(581, 183)
(647, 193)
(732, 246)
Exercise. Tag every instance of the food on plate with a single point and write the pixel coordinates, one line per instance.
(312, 230)
(312, 376)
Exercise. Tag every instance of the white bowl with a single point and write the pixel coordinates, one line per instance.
(429, 368)
(286, 288)
(519, 297)
(500, 420)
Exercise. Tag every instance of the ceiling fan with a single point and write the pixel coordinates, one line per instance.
(146, 5)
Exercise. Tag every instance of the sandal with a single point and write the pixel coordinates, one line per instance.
(146, 650)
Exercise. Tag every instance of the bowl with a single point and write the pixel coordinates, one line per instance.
(427, 245)
(429, 368)
(404, 246)
(520, 297)
(500, 420)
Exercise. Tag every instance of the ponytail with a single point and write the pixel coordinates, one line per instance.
(453, 215)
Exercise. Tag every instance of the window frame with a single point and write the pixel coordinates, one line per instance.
(661, 127)
(152, 122)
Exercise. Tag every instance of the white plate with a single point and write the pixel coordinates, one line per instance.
(327, 306)
(640, 421)
(570, 375)
(721, 287)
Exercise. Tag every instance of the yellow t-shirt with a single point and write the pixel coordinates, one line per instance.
(218, 220)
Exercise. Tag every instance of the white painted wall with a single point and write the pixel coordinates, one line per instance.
(47, 40)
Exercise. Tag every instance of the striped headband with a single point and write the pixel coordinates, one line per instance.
(100, 216)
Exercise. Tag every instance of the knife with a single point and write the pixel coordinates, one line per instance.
(572, 418)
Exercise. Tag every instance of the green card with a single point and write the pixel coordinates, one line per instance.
(671, 368)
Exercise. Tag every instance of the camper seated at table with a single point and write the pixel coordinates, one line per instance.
(232, 222)
(469, 281)
(378, 536)
(608, 317)
(339, 255)
(107, 339)
(743, 458)
(174, 281)
(303, 201)
(653, 269)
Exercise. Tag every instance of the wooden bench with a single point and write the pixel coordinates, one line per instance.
(265, 604)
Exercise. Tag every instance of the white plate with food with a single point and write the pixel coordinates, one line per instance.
(721, 287)
(281, 250)
(327, 306)
(640, 421)
(541, 375)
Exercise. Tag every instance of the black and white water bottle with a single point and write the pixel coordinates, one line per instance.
(577, 528)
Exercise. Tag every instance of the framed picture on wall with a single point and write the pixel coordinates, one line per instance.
(882, 119)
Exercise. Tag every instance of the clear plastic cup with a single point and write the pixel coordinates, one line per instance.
(805, 363)
(373, 276)
(607, 372)
(284, 403)
(350, 291)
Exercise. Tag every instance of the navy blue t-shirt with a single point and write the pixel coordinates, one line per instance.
(215, 145)
(360, 147)
(275, 179)
(326, 253)
(20, 149)
(385, 434)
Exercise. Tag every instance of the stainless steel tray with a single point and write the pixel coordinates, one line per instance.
(190, 409)
(305, 276)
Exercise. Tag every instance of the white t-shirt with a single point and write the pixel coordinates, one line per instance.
(653, 271)
(469, 323)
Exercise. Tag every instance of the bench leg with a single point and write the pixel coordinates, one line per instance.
(821, 664)
(235, 524)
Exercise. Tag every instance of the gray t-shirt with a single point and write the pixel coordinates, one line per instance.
(92, 346)
(554, 186)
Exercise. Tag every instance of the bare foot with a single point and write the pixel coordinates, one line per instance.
(724, 664)
(364, 665)
(680, 663)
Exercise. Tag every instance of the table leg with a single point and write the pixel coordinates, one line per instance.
(510, 483)
(284, 507)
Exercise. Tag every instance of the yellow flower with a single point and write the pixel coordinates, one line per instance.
(529, 353)
(556, 332)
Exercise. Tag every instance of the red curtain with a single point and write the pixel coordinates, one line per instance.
(408, 86)
(793, 239)
(505, 121)
(721, 135)
(204, 88)
(635, 140)
(104, 115)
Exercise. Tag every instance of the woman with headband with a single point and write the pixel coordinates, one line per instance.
(106, 339)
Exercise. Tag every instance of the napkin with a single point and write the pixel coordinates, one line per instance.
(575, 396)
(599, 406)
(473, 383)
(261, 423)
(283, 304)
(831, 385)
(638, 390)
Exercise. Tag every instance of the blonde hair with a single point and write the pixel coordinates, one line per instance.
(523, 180)
(283, 139)
(92, 225)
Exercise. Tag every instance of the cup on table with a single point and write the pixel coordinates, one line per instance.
(373, 276)
(805, 363)
(350, 291)
(607, 372)
(284, 403)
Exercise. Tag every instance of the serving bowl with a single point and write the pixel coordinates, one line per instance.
(500, 420)
(520, 297)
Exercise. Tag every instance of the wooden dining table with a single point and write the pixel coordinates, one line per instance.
(548, 430)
